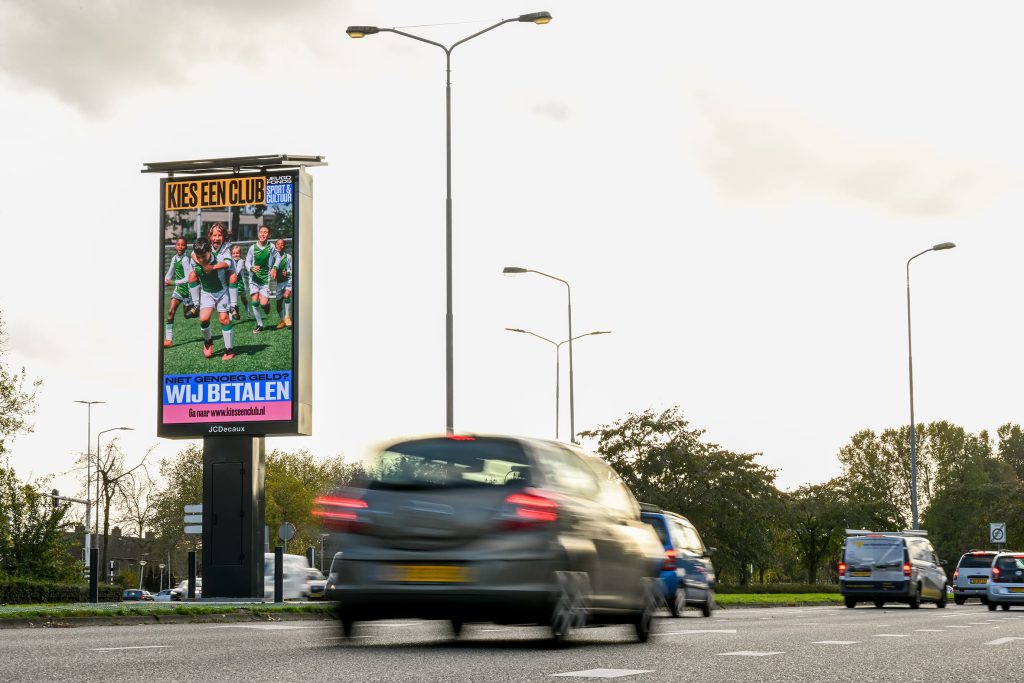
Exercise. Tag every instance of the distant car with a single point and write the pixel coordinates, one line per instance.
(163, 596)
(972, 574)
(687, 576)
(897, 566)
(316, 583)
(135, 594)
(181, 591)
(494, 529)
(1007, 585)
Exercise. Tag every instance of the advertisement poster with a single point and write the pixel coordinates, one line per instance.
(227, 348)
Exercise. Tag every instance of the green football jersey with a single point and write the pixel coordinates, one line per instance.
(260, 256)
(215, 280)
(177, 272)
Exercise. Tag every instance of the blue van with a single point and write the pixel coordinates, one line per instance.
(687, 575)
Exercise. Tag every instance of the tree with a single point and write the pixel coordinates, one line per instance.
(729, 496)
(33, 543)
(113, 479)
(17, 398)
(816, 515)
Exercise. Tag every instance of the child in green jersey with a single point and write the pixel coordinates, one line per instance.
(177, 277)
(214, 282)
(281, 270)
(257, 262)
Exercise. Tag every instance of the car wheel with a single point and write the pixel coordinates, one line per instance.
(677, 603)
(915, 599)
(959, 600)
(991, 607)
(708, 605)
(569, 611)
(1005, 607)
(879, 603)
(850, 602)
(941, 602)
(456, 625)
(651, 603)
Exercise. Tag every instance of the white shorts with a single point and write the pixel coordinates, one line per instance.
(282, 288)
(180, 297)
(218, 300)
(262, 290)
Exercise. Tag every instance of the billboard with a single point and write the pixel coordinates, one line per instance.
(234, 324)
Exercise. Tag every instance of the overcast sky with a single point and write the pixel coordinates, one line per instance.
(731, 188)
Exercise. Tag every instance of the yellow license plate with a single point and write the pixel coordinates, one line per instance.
(1017, 590)
(979, 580)
(425, 573)
(860, 573)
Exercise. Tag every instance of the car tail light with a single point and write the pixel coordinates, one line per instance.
(995, 573)
(669, 563)
(956, 573)
(529, 510)
(338, 512)
(842, 569)
(906, 569)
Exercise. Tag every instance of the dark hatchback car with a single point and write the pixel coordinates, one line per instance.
(493, 529)
(687, 575)
(133, 594)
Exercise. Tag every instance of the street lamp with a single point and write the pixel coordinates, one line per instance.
(162, 565)
(558, 347)
(362, 31)
(88, 477)
(112, 429)
(516, 270)
(910, 363)
(142, 572)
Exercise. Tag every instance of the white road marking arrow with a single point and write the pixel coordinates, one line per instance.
(1002, 641)
(681, 633)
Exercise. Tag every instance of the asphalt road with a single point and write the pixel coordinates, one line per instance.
(781, 644)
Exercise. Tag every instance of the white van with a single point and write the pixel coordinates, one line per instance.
(293, 584)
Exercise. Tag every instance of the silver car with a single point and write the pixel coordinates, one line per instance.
(972, 574)
(495, 529)
(886, 567)
(1007, 585)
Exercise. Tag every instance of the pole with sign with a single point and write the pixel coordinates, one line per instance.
(997, 533)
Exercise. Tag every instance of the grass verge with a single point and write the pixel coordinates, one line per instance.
(727, 599)
(122, 610)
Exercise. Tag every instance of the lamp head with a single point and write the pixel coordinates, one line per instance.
(514, 329)
(943, 245)
(536, 17)
(360, 31)
(127, 429)
(513, 270)
(602, 332)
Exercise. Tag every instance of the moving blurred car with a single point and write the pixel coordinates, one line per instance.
(133, 594)
(687, 576)
(163, 596)
(316, 583)
(492, 528)
(181, 591)
(293, 582)
(1007, 585)
(896, 566)
(972, 574)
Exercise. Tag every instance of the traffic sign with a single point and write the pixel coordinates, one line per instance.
(286, 531)
(194, 529)
(193, 519)
(192, 509)
(997, 532)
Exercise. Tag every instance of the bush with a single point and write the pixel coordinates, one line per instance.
(767, 588)
(28, 592)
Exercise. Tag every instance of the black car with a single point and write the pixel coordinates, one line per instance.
(495, 529)
(135, 594)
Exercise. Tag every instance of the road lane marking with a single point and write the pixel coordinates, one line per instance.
(748, 653)
(272, 627)
(129, 647)
(929, 630)
(957, 626)
(346, 637)
(892, 635)
(835, 642)
(1002, 641)
(696, 630)
(604, 673)
(979, 623)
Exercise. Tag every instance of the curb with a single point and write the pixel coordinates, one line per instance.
(142, 619)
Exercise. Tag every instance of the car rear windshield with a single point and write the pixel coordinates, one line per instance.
(1009, 563)
(976, 561)
(449, 463)
(874, 551)
(659, 526)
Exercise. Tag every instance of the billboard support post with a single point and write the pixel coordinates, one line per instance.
(233, 511)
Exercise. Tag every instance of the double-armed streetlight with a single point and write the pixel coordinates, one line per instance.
(910, 363)
(88, 477)
(516, 270)
(362, 31)
(558, 348)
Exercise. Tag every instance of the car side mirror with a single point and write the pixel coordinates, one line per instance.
(942, 563)
(708, 552)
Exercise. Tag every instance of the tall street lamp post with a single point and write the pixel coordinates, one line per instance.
(112, 429)
(910, 364)
(558, 348)
(362, 31)
(515, 270)
(88, 477)
(142, 572)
